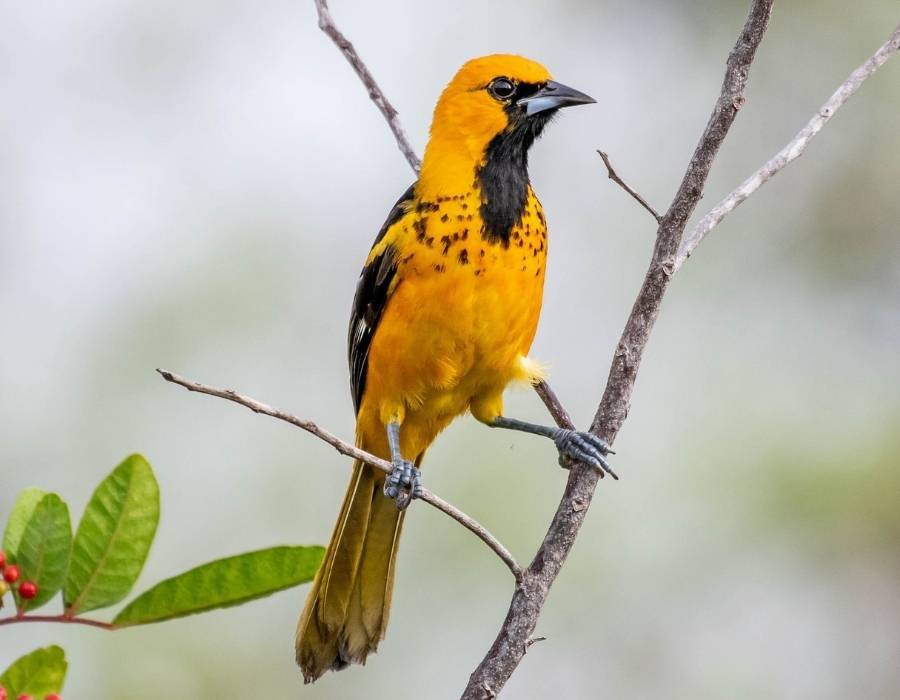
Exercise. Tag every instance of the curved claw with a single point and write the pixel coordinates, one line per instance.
(584, 447)
(403, 484)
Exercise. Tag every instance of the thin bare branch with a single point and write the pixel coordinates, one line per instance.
(327, 25)
(554, 406)
(793, 150)
(614, 176)
(345, 448)
(349, 450)
(529, 597)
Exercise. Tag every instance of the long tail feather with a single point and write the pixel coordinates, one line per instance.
(347, 607)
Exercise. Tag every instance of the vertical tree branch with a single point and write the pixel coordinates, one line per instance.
(528, 600)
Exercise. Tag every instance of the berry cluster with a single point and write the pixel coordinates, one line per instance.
(9, 577)
(27, 589)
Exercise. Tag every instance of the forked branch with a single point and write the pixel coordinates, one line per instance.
(670, 251)
(529, 598)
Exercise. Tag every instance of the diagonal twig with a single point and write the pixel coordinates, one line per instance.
(349, 450)
(327, 25)
(793, 150)
(554, 406)
(614, 176)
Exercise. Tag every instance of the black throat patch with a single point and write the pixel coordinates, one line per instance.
(503, 179)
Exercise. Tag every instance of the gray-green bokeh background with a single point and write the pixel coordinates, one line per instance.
(195, 185)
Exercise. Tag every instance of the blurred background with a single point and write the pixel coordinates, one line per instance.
(195, 186)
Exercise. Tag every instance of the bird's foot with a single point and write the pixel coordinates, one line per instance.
(583, 447)
(404, 483)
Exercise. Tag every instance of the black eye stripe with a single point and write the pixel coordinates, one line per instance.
(527, 89)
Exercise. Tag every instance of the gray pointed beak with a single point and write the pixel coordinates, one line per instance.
(553, 96)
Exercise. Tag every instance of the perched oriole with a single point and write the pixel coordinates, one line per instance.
(445, 312)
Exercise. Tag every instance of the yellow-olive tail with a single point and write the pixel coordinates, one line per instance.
(346, 610)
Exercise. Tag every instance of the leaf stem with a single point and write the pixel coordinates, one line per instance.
(58, 618)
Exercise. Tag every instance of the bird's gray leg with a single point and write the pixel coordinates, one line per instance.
(404, 483)
(582, 447)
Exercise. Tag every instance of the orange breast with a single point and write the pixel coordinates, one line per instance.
(462, 313)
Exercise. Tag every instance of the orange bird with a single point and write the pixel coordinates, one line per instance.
(445, 311)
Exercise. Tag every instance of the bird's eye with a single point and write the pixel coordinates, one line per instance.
(501, 88)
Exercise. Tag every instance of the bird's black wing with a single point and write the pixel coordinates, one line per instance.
(370, 301)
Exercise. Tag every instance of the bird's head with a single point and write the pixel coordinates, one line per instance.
(500, 102)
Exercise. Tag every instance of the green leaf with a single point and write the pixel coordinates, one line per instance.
(18, 519)
(223, 583)
(44, 549)
(113, 538)
(39, 673)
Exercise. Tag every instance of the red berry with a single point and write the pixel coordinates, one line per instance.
(11, 573)
(53, 696)
(28, 590)
(2, 693)
(24, 697)
(2, 558)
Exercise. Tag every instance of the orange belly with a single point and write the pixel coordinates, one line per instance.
(460, 319)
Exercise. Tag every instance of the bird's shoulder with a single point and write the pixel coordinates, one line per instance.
(389, 234)
(372, 292)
